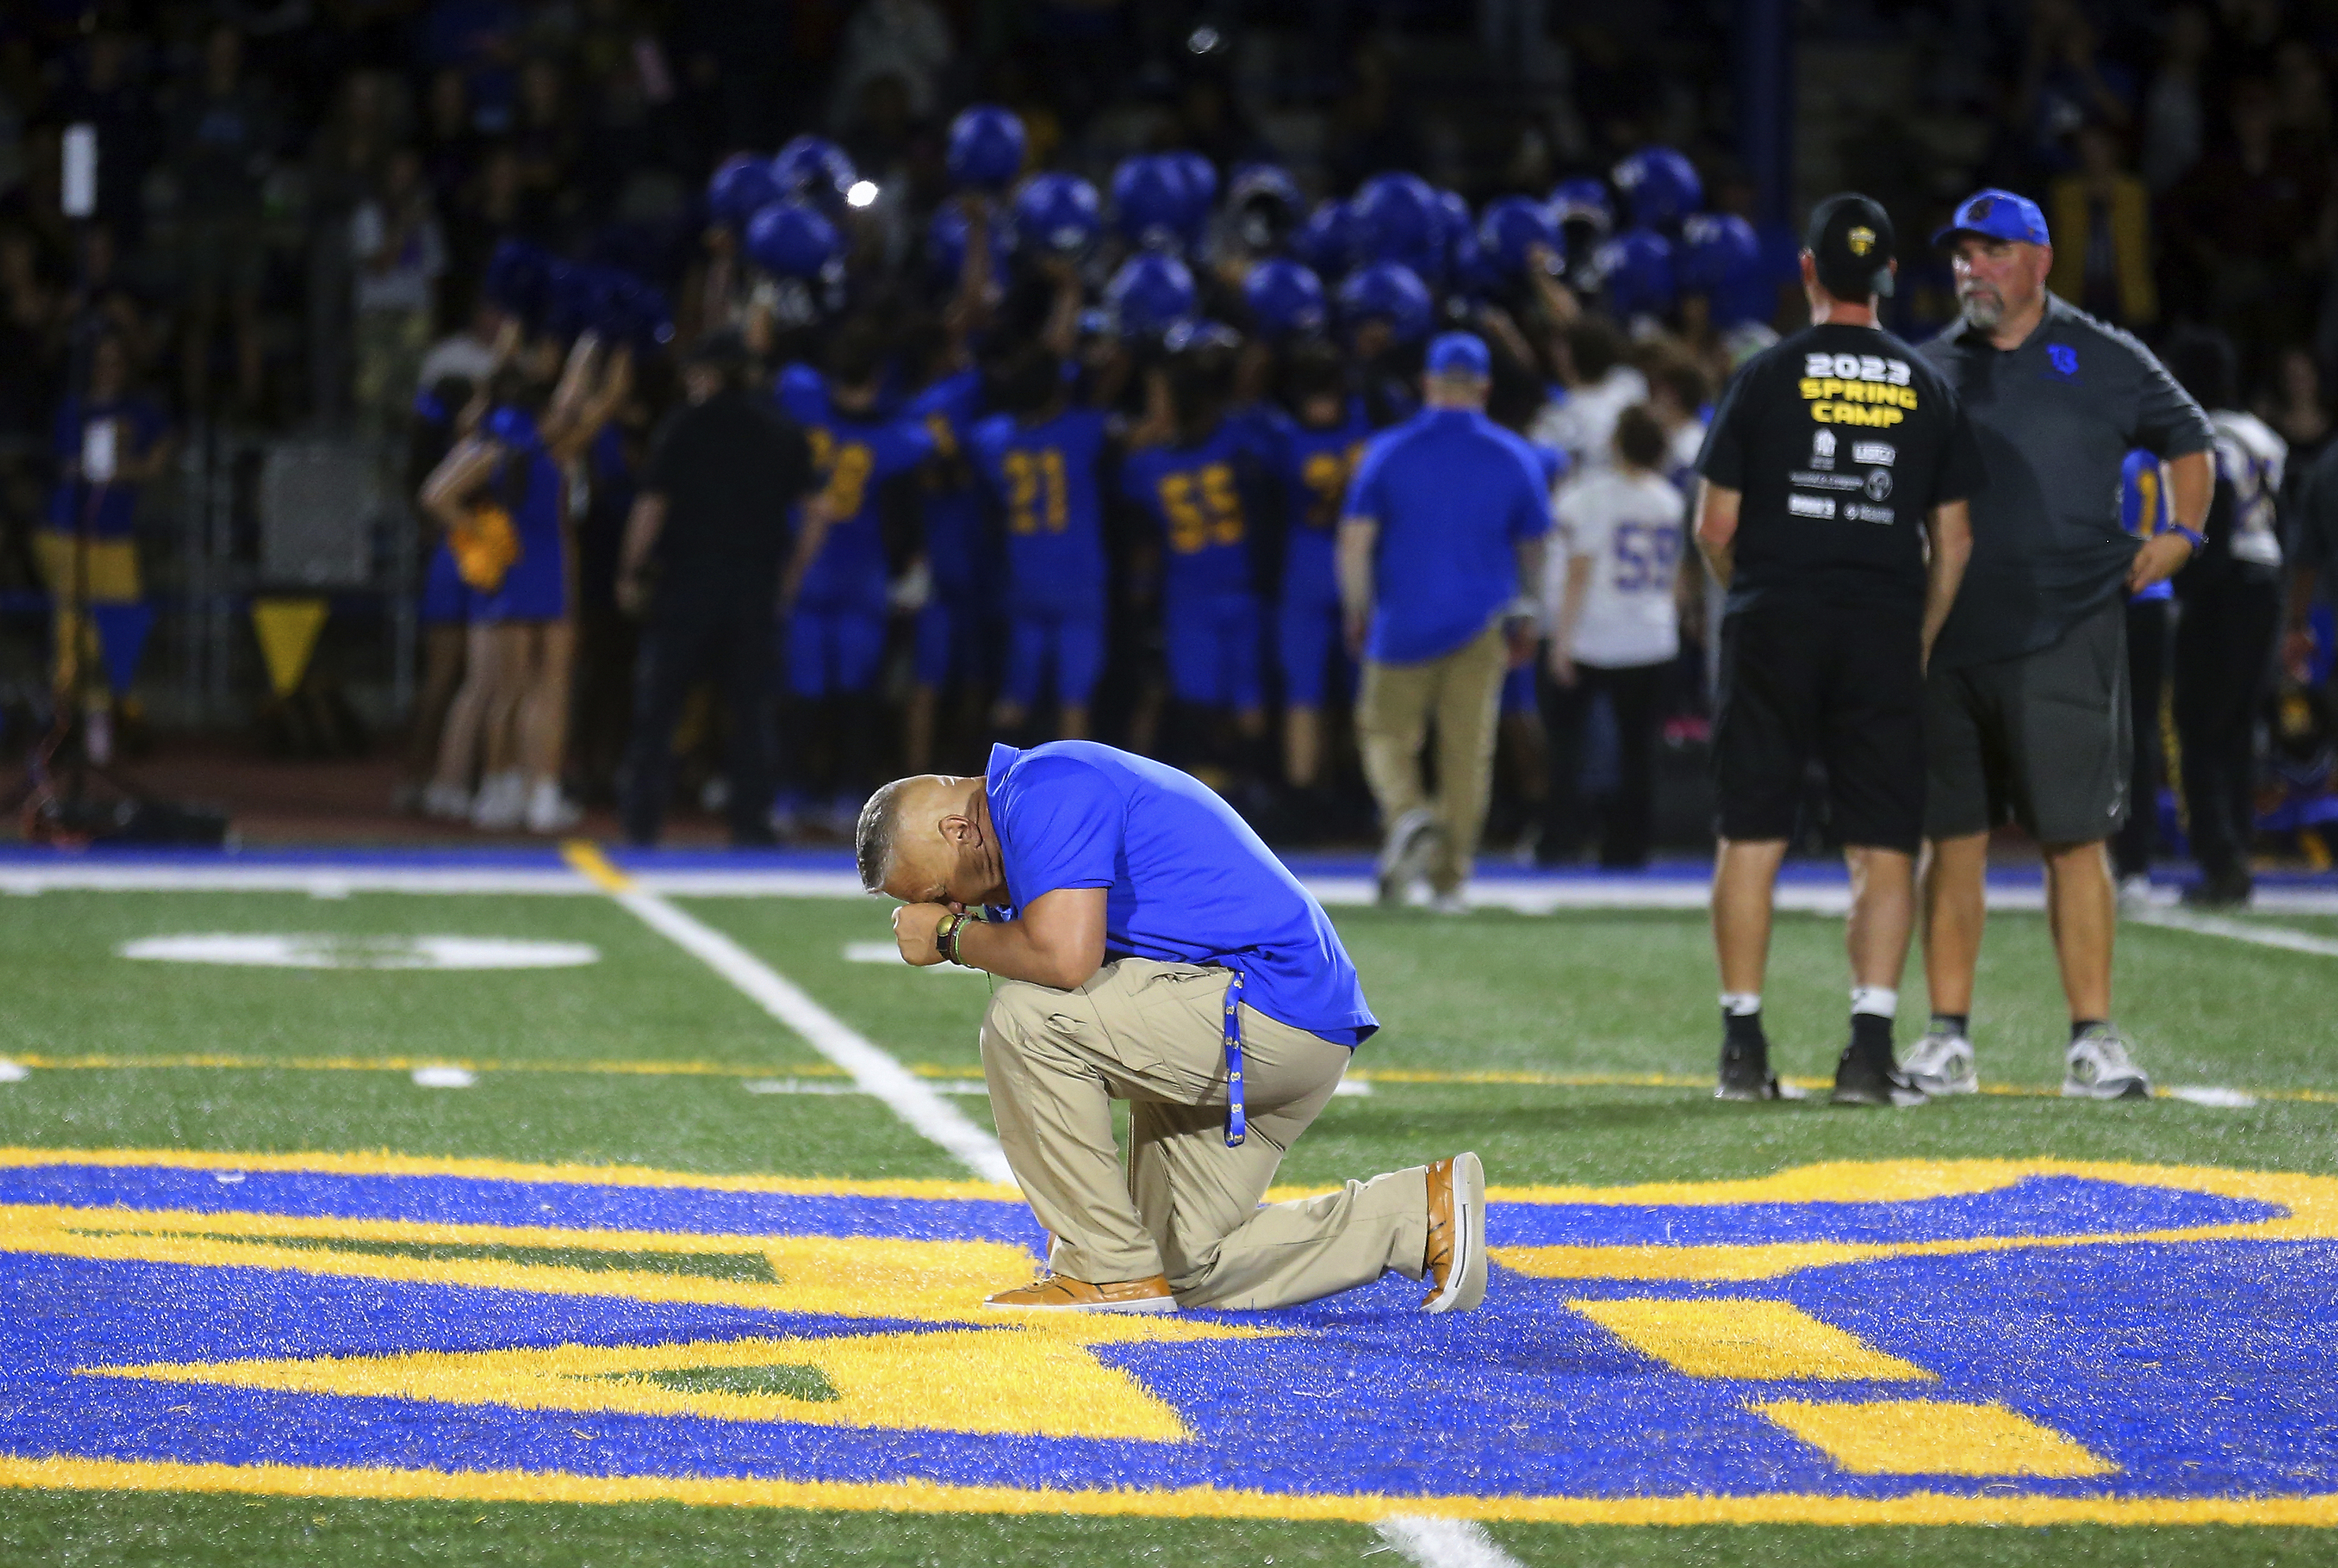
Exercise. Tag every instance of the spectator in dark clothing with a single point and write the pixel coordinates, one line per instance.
(2244, 223)
(713, 515)
(2230, 604)
(223, 136)
(106, 95)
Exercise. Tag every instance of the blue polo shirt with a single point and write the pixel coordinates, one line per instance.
(1185, 880)
(1453, 494)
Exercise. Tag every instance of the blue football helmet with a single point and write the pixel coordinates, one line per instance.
(515, 279)
(1583, 200)
(1058, 214)
(1389, 291)
(1151, 293)
(1636, 273)
(1149, 201)
(986, 147)
(1658, 185)
(816, 169)
(741, 186)
(1510, 227)
(1265, 206)
(1285, 297)
(1328, 241)
(795, 240)
(1400, 217)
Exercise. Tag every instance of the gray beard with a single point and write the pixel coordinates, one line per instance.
(1982, 311)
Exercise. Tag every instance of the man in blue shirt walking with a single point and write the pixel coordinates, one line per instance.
(1152, 949)
(1444, 523)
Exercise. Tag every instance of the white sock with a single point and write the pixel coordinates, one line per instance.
(1741, 1003)
(1875, 1000)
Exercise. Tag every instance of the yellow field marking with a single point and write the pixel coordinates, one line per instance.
(1005, 1380)
(2311, 1202)
(586, 861)
(822, 1276)
(1935, 1438)
(1192, 1503)
(1748, 1339)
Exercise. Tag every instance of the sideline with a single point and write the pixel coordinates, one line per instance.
(872, 1069)
(2280, 936)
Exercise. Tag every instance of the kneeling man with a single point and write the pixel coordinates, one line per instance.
(1151, 949)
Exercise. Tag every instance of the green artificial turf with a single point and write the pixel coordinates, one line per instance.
(119, 1530)
(1581, 995)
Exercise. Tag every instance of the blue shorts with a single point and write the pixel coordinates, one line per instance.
(534, 589)
(445, 598)
(1214, 650)
(1519, 690)
(1041, 642)
(949, 639)
(1307, 640)
(834, 650)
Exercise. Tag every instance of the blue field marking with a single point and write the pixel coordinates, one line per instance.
(2037, 1206)
(2193, 1369)
(472, 1201)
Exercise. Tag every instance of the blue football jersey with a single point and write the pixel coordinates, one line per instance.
(1044, 478)
(1202, 498)
(2144, 510)
(949, 500)
(854, 458)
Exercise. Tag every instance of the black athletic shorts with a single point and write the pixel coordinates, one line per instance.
(1844, 685)
(2044, 739)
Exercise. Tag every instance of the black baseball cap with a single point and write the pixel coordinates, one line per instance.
(1850, 240)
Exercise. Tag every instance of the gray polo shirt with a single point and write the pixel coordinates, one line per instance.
(2055, 418)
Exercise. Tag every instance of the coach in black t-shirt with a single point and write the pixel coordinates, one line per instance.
(1833, 508)
(2026, 708)
(713, 515)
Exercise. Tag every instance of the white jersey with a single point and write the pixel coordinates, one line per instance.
(1632, 528)
(1582, 423)
(2250, 458)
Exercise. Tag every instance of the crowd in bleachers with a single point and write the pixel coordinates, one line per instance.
(1203, 283)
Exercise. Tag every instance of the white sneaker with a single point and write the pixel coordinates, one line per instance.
(500, 804)
(447, 803)
(2097, 1067)
(2135, 895)
(1941, 1064)
(1404, 858)
(1454, 903)
(547, 813)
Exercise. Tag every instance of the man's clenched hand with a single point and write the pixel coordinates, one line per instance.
(914, 925)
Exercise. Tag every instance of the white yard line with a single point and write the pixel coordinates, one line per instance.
(1435, 1543)
(2280, 936)
(870, 1067)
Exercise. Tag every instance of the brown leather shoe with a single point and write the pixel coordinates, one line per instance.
(1456, 1259)
(1057, 1294)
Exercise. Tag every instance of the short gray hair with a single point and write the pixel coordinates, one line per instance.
(872, 836)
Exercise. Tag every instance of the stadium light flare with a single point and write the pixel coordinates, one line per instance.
(861, 193)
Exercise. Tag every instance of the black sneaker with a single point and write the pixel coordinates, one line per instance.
(1861, 1079)
(1746, 1076)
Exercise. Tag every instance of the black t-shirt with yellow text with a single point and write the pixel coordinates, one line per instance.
(1842, 440)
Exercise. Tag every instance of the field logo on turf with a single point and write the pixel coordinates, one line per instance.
(2017, 1342)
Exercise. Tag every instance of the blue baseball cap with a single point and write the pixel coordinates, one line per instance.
(2001, 215)
(1460, 354)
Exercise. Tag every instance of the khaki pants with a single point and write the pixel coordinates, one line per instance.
(1186, 1206)
(1463, 691)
